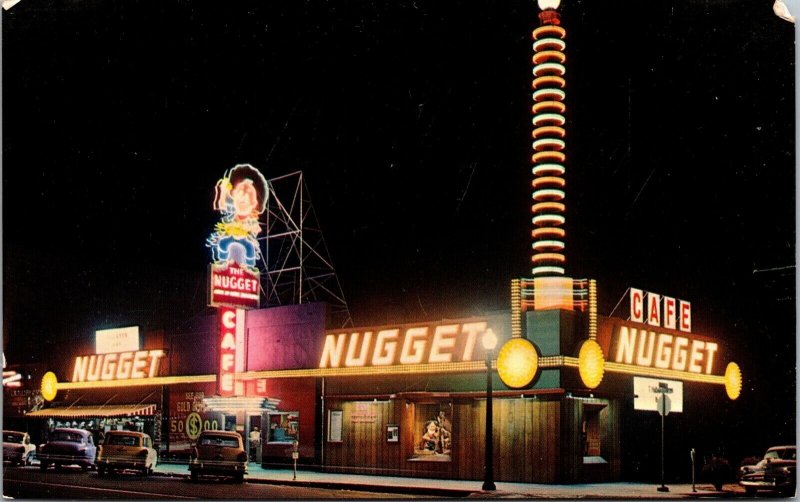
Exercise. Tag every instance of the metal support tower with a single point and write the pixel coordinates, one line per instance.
(295, 256)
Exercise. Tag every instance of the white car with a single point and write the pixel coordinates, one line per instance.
(17, 448)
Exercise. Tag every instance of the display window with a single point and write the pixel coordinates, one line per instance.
(284, 427)
(433, 432)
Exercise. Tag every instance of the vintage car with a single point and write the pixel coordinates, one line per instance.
(17, 448)
(123, 450)
(67, 447)
(776, 471)
(218, 453)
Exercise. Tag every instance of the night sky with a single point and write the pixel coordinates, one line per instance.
(410, 120)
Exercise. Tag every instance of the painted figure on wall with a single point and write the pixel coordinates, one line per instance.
(241, 197)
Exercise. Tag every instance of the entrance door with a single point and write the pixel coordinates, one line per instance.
(254, 431)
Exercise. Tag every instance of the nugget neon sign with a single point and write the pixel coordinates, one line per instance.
(129, 365)
(442, 343)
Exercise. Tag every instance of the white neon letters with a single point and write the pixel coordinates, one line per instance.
(643, 347)
(419, 344)
(117, 366)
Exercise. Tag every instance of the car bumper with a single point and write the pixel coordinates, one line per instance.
(12, 456)
(765, 482)
(52, 458)
(122, 462)
(225, 467)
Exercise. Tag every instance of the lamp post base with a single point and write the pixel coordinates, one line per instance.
(663, 488)
(488, 486)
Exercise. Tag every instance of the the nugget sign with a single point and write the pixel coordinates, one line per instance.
(117, 366)
(642, 346)
(234, 286)
(441, 343)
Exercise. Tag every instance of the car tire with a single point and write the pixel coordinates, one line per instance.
(749, 491)
(239, 477)
(101, 471)
(43, 465)
(84, 467)
(193, 475)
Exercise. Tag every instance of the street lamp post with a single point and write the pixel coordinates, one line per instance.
(489, 341)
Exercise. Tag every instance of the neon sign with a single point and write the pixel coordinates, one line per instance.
(241, 196)
(441, 343)
(227, 351)
(128, 365)
(234, 285)
(657, 310)
(642, 346)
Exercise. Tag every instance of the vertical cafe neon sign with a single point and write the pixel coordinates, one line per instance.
(234, 279)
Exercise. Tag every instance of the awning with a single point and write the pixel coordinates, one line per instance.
(116, 410)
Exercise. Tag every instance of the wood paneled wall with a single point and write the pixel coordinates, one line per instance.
(535, 440)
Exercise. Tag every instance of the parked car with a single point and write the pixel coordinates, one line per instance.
(219, 453)
(67, 447)
(17, 448)
(126, 450)
(776, 471)
(747, 462)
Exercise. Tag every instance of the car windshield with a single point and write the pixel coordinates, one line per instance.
(123, 440)
(66, 436)
(9, 437)
(219, 441)
(787, 454)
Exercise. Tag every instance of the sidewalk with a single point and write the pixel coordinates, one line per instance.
(459, 488)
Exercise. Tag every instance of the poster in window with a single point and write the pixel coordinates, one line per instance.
(392, 433)
(334, 426)
(433, 432)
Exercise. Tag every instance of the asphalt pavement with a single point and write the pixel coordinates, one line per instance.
(470, 489)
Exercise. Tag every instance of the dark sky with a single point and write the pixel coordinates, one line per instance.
(410, 120)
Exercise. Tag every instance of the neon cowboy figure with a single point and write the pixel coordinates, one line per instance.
(241, 196)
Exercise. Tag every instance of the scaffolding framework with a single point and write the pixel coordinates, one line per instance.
(294, 253)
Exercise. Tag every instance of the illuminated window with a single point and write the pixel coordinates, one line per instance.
(433, 431)
(284, 427)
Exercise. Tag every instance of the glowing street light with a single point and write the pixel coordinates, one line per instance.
(489, 342)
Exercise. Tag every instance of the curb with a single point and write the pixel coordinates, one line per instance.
(361, 487)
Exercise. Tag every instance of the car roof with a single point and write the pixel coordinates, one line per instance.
(69, 429)
(125, 433)
(221, 433)
(787, 447)
(14, 432)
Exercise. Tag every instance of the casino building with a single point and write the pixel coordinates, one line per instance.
(409, 399)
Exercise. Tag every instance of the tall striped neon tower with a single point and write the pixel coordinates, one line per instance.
(548, 143)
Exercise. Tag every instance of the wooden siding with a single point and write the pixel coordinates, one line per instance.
(527, 440)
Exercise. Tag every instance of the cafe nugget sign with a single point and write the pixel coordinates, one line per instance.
(658, 335)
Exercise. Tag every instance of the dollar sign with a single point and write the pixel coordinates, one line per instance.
(193, 425)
